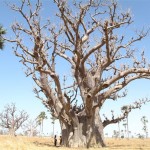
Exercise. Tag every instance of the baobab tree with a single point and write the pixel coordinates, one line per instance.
(88, 44)
(11, 119)
(30, 128)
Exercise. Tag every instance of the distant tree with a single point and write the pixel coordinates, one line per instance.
(125, 110)
(40, 119)
(89, 42)
(140, 136)
(2, 32)
(119, 128)
(106, 134)
(30, 128)
(130, 134)
(115, 134)
(145, 128)
(1, 132)
(53, 122)
(125, 128)
(11, 119)
(122, 133)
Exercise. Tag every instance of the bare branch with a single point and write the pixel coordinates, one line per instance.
(125, 111)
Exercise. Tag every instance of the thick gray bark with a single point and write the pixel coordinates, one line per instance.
(12, 132)
(88, 132)
(93, 62)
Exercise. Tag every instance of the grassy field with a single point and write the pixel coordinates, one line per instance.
(26, 143)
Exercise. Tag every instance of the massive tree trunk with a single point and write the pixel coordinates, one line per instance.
(87, 132)
(92, 62)
(12, 131)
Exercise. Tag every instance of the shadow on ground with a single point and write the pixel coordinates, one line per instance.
(44, 144)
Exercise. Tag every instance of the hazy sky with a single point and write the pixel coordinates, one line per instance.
(15, 87)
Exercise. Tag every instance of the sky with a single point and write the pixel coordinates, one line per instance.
(17, 88)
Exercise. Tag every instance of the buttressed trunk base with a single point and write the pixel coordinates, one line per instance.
(88, 132)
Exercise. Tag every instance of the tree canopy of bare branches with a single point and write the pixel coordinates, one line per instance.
(30, 128)
(11, 120)
(87, 42)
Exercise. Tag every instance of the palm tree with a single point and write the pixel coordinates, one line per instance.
(125, 110)
(145, 129)
(40, 120)
(2, 32)
(127, 119)
(53, 122)
(125, 128)
(119, 128)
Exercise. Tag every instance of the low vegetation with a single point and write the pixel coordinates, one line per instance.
(46, 143)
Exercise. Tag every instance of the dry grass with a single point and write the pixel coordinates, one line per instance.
(26, 143)
(131, 144)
